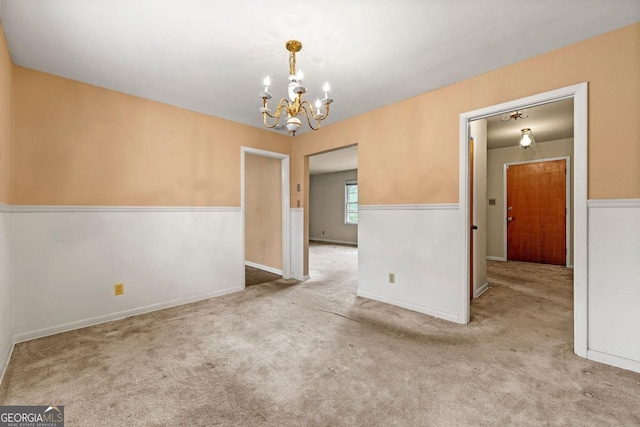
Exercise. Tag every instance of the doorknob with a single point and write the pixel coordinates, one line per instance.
(509, 218)
(474, 227)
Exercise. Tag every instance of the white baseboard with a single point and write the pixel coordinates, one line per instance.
(263, 267)
(609, 359)
(340, 242)
(495, 258)
(5, 360)
(27, 336)
(301, 278)
(481, 290)
(409, 306)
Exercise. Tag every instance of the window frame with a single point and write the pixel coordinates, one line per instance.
(347, 185)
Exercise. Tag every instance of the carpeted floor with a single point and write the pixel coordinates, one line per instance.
(312, 353)
(256, 276)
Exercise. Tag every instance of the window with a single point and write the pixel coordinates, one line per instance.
(351, 202)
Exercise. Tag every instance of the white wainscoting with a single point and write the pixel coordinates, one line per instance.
(423, 246)
(66, 261)
(614, 282)
(297, 244)
(6, 339)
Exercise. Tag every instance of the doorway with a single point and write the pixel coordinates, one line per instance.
(579, 95)
(281, 201)
(333, 209)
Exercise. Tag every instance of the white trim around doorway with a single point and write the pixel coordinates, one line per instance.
(580, 121)
(286, 214)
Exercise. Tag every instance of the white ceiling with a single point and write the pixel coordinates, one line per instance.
(211, 56)
(548, 122)
(334, 161)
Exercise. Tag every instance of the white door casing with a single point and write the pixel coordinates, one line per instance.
(286, 215)
(580, 105)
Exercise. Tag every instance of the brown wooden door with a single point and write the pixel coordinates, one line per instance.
(536, 212)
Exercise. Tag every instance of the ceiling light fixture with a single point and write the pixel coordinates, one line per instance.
(527, 140)
(515, 115)
(294, 107)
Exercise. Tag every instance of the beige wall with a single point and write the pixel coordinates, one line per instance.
(6, 125)
(496, 160)
(77, 144)
(263, 211)
(326, 207)
(408, 151)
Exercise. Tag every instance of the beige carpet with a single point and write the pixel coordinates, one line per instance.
(256, 276)
(292, 354)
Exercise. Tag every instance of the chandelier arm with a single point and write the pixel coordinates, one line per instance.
(283, 105)
(304, 108)
(267, 125)
(310, 107)
(267, 113)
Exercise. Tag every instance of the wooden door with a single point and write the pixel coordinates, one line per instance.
(536, 212)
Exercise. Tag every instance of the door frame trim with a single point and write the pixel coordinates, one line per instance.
(286, 215)
(567, 215)
(579, 93)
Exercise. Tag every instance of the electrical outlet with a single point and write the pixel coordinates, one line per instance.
(119, 288)
(392, 277)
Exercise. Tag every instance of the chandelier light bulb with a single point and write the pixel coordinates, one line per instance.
(267, 81)
(527, 140)
(326, 88)
(299, 75)
(318, 105)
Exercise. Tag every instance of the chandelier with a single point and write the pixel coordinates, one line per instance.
(294, 107)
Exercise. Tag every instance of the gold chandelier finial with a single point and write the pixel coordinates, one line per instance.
(294, 107)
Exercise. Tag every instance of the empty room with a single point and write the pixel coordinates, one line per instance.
(342, 213)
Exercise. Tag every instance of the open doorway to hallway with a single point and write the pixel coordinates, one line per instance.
(522, 204)
(333, 213)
